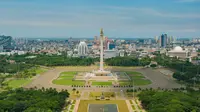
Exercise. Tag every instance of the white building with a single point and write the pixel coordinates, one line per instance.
(178, 52)
(122, 53)
(110, 53)
(82, 49)
(69, 53)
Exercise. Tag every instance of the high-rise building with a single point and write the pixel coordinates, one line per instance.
(82, 49)
(95, 38)
(156, 39)
(163, 40)
(111, 46)
(5, 41)
(149, 41)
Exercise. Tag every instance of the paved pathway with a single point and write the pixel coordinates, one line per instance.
(76, 105)
(135, 105)
(122, 94)
(129, 106)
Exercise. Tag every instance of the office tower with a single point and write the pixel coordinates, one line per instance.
(5, 41)
(163, 40)
(156, 39)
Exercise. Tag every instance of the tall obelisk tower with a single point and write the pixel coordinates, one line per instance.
(101, 48)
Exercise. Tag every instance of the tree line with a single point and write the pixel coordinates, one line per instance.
(170, 101)
(23, 63)
(128, 61)
(54, 60)
(32, 100)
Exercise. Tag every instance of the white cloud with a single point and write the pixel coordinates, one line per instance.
(127, 20)
(187, 1)
(154, 12)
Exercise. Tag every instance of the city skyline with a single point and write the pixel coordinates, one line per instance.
(126, 19)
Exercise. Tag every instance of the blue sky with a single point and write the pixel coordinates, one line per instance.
(84, 18)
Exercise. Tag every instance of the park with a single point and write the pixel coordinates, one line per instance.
(87, 92)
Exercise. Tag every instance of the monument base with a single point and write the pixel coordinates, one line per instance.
(102, 73)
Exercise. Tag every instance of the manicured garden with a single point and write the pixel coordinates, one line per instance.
(98, 94)
(108, 83)
(66, 78)
(137, 78)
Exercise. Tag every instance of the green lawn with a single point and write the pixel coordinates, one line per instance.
(138, 79)
(133, 107)
(74, 96)
(40, 70)
(140, 82)
(98, 94)
(94, 94)
(133, 73)
(124, 83)
(137, 82)
(130, 102)
(72, 107)
(129, 94)
(66, 78)
(109, 83)
(16, 83)
(68, 73)
(68, 82)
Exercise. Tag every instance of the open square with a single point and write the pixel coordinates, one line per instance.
(102, 108)
(84, 105)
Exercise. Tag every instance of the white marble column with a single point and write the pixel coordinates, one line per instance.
(101, 50)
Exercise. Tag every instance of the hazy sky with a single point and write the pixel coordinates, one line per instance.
(84, 18)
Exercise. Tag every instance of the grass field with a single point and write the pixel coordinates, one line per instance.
(40, 70)
(129, 94)
(68, 82)
(122, 107)
(140, 82)
(73, 95)
(66, 78)
(16, 83)
(138, 79)
(98, 94)
(109, 83)
(124, 83)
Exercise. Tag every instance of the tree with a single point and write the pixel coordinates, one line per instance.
(31, 100)
(77, 92)
(153, 65)
(170, 101)
(74, 89)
